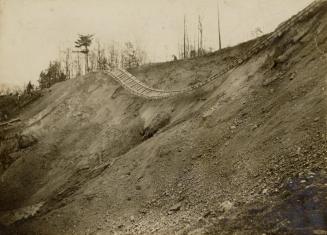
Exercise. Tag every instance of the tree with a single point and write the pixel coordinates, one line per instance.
(219, 26)
(68, 64)
(184, 44)
(84, 41)
(113, 55)
(51, 75)
(102, 61)
(132, 56)
(78, 66)
(200, 37)
(29, 88)
(92, 61)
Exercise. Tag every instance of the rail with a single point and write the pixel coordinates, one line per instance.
(138, 88)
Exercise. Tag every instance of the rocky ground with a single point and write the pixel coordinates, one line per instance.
(244, 155)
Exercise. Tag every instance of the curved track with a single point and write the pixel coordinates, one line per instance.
(138, 88)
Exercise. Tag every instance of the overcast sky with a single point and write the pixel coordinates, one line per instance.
(32, 31)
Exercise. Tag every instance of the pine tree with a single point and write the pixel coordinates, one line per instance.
(84, 41)
(29, 88)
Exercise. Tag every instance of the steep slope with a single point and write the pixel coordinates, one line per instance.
(245, 155)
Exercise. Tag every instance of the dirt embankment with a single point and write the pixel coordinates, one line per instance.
(11, 138)
(245, 155)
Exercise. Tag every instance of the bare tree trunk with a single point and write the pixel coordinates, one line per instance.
(187, 46)
(67, 64)
(219, 29)
(78, 66)
(86, 62)
(184, 53)
(200, 27)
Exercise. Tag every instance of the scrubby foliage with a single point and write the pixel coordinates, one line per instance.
(11, 103)
(8, 103)
(132, 56)
(51, 75)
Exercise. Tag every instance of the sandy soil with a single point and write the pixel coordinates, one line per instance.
(245, 155)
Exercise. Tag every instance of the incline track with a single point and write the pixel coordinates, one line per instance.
(134, 86)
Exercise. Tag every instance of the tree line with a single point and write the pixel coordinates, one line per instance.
(89, 55)
(192, 47)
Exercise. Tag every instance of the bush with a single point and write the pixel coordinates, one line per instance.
(51, 75)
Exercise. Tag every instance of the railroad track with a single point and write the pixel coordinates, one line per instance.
(138, 88)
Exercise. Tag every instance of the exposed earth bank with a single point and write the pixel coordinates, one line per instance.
(243, 155)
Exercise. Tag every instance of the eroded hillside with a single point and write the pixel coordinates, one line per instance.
(243, 155)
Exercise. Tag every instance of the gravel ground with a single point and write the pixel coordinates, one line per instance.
(245, 155)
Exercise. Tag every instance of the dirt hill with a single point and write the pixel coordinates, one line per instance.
(243, 155)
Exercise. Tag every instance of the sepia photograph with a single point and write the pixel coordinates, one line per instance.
(181, 117)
